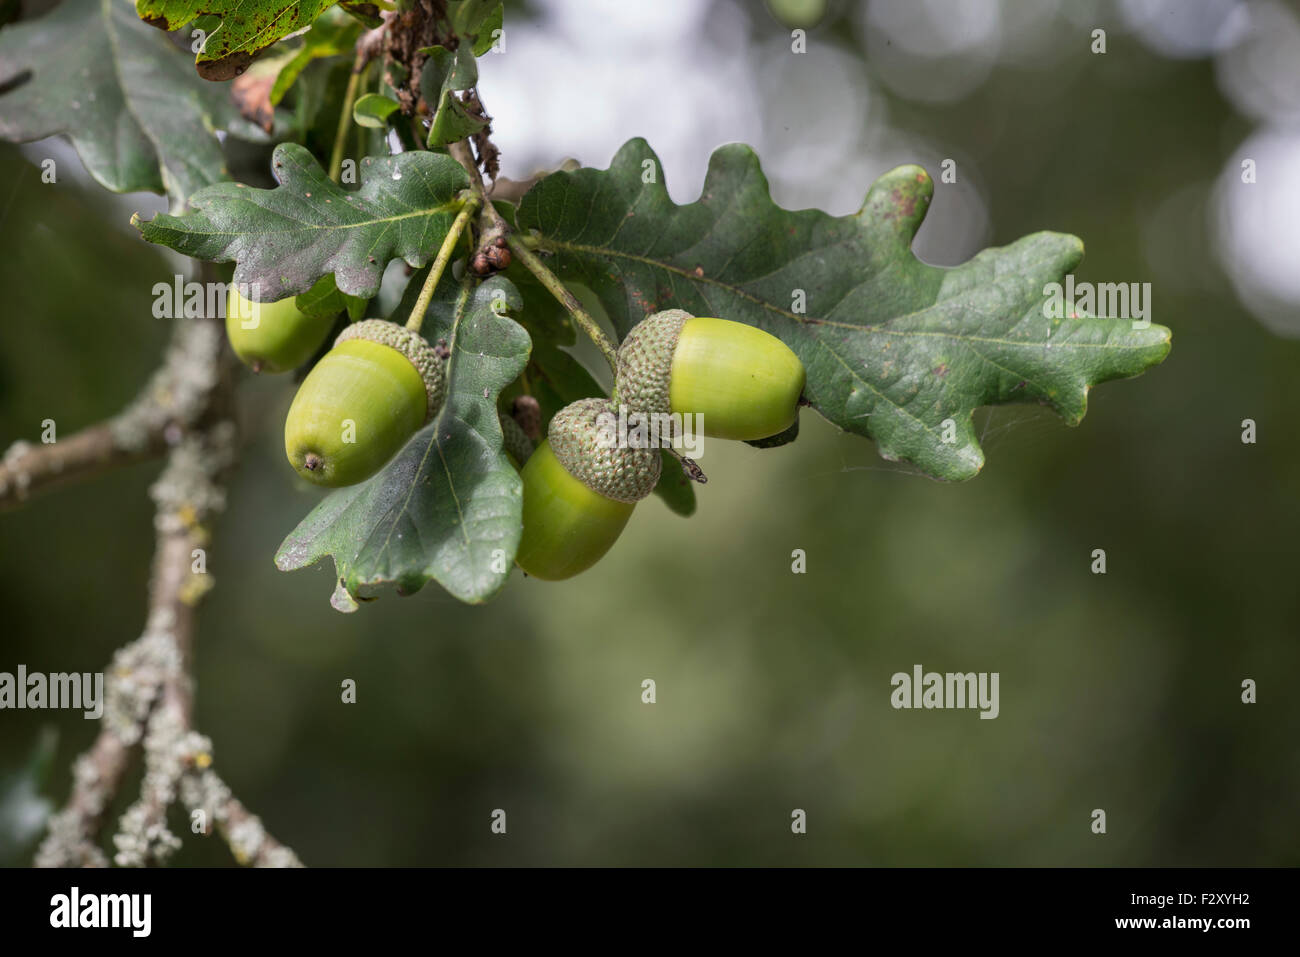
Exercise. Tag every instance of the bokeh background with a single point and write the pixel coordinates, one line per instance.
(1118, 691)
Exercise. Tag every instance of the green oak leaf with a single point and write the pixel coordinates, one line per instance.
(446, 73)
(324, 299)
(475, 20)
(374, 109)
(367, 13)
(449, 505)
(286, 238)
(895, 349)
(245, 27)
(138, 116)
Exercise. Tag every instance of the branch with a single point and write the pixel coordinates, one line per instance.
(498, 228)
(188, 378)
(149, 692)
(202, 790)
(188, 495)
(172, 402)
(460, 151)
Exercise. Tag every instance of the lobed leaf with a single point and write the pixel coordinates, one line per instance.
(895, 349)
(445, 74)
(245, 27)
(449, 505)
(138, 116)
(286, 238)
(373, 110)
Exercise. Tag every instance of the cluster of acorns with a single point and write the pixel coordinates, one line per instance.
(380, 383)
(734, 381)
(359, 404)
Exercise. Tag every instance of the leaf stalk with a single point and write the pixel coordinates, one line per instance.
(552, 282)
(345, 115)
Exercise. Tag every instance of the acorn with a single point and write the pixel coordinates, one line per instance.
(361, 403)
(743, 382)
(273, 336)
(580, 487)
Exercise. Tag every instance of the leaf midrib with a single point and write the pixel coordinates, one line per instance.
(429, 211)
(812, 322)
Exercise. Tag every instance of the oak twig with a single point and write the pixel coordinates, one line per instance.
(148, 687)
(171, 403)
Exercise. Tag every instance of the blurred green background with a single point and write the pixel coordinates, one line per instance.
(1118, 691)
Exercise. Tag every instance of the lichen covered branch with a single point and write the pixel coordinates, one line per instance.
(148, 688)
(172, 402)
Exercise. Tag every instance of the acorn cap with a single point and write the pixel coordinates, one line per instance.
(413, 346)
(645, 361)
(514, 440)
(591, 451)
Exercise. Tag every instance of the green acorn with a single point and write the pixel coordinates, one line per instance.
(742, 382)
(273, 336)
(580, 488)
(361, 403)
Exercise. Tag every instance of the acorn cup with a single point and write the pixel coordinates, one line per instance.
(273, 337)
(580, 487)
(515, 441)
(743, 382)
(361, 403)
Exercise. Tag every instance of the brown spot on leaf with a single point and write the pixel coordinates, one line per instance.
(906, 205)
(941, 369)
(227, 68)
(698, 272)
